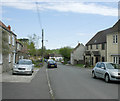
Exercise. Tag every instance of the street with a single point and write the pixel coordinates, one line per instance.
(75, 83)
(64, 82)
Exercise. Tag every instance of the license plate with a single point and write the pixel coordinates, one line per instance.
(52, 65)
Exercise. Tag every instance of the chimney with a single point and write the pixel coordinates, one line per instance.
(9, 27)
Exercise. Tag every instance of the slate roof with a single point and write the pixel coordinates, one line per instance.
(100, 37)
(75, 47)
(3, 25)
(19, 42)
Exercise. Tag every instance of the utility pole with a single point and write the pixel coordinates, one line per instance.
(42, 45)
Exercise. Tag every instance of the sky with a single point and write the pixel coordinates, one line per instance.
(65, 22)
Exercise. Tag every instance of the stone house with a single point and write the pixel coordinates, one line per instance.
(104, 46)
(96, 48)
(8, 47)
(0, 48)
(77, 55)
(113, 44)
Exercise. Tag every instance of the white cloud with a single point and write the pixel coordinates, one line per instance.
(63, 6)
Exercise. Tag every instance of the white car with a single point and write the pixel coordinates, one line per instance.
(107, 71)
(23, 66)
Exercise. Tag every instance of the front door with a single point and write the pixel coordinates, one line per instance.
(96, 59)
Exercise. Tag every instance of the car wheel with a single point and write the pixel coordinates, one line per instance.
(30, 74)
(107, 78)
(13, 73)
(93, 74)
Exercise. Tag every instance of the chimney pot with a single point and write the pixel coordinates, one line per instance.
(9, 27)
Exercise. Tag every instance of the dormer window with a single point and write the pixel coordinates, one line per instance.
(95, 41)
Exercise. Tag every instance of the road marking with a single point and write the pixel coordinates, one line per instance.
(49, 85)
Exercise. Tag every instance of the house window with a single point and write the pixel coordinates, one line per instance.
(115, 59)
(90, 46)
(1, 58)
(103, 46)
(97, 46)
(87, 48)
(115, 39)
(19, 57)
(18, 46)
(13, 40)
(22, 57)
(9, 39)
(14, 58)
(9, 57)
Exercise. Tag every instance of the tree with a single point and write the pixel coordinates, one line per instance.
(65, 52)
(31, 49)
(35, 39)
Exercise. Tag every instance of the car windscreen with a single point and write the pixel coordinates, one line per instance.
(25, 62)
(112, 66)
(51, 62)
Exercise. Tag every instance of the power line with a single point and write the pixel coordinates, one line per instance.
(39, 17)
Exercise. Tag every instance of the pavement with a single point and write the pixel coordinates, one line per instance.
(8, 77)
(36, 89)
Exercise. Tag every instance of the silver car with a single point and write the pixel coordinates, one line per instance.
(23, 66)
(107, 71)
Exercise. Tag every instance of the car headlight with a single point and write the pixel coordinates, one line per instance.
(15, 67)
(115, 73)
(28, 68)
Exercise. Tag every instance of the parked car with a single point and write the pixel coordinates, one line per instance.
(107, 71)
(62, 61)
(23, 66)
(50, 60)
(52, 64)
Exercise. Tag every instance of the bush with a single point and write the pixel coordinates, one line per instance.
(37, 63)
(79, 65)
